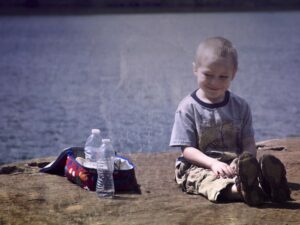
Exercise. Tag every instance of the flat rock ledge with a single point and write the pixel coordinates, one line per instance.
(30, 197)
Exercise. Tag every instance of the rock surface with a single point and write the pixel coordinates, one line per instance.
(30, 197)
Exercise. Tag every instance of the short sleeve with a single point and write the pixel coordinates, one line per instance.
(184, 131)
(247, 127)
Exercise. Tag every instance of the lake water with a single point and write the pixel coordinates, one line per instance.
(125, 74)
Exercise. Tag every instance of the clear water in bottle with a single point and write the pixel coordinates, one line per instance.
(105, 166)
(92, 146)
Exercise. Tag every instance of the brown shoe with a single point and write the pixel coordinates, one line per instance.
(247, 183)
(273, 180)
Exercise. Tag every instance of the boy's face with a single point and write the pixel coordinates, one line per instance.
(214, 76)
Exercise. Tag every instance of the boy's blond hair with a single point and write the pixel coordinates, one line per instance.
(216, 47)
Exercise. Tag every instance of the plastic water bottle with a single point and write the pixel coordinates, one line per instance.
(105, 167)
(92, 146)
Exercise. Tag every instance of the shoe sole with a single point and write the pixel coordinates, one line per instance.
(274, 175)
(248, 172)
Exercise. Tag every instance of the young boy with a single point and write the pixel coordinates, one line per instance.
(213, 127)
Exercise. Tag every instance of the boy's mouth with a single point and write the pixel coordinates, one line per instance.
(213, 89)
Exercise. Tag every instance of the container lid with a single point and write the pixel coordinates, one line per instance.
(95, 131)
(105, 141)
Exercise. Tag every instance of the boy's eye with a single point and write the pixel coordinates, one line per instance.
(224, 77)
(207, 75)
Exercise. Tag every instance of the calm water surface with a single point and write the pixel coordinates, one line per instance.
(125, 74)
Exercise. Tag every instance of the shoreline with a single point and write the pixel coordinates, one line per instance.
(48, 159)
(139, 9)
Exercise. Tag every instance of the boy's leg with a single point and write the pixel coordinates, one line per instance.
(273, 180)
(248, 172)
(205, 182)
(245, 187)
(230, 193)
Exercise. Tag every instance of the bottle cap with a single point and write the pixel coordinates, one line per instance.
(95, 131)
(105, 141)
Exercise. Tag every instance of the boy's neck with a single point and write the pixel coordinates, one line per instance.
(206, 99)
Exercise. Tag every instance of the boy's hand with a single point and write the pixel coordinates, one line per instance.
(198, 158)
(222, 169)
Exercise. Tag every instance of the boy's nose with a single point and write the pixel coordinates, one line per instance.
(215, 82)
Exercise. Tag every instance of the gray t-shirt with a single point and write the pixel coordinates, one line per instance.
(212, 127)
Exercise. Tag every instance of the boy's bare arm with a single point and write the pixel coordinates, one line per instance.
(198, 158)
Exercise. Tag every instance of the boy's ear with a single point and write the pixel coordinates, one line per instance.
(194, 68)
(233, 75)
